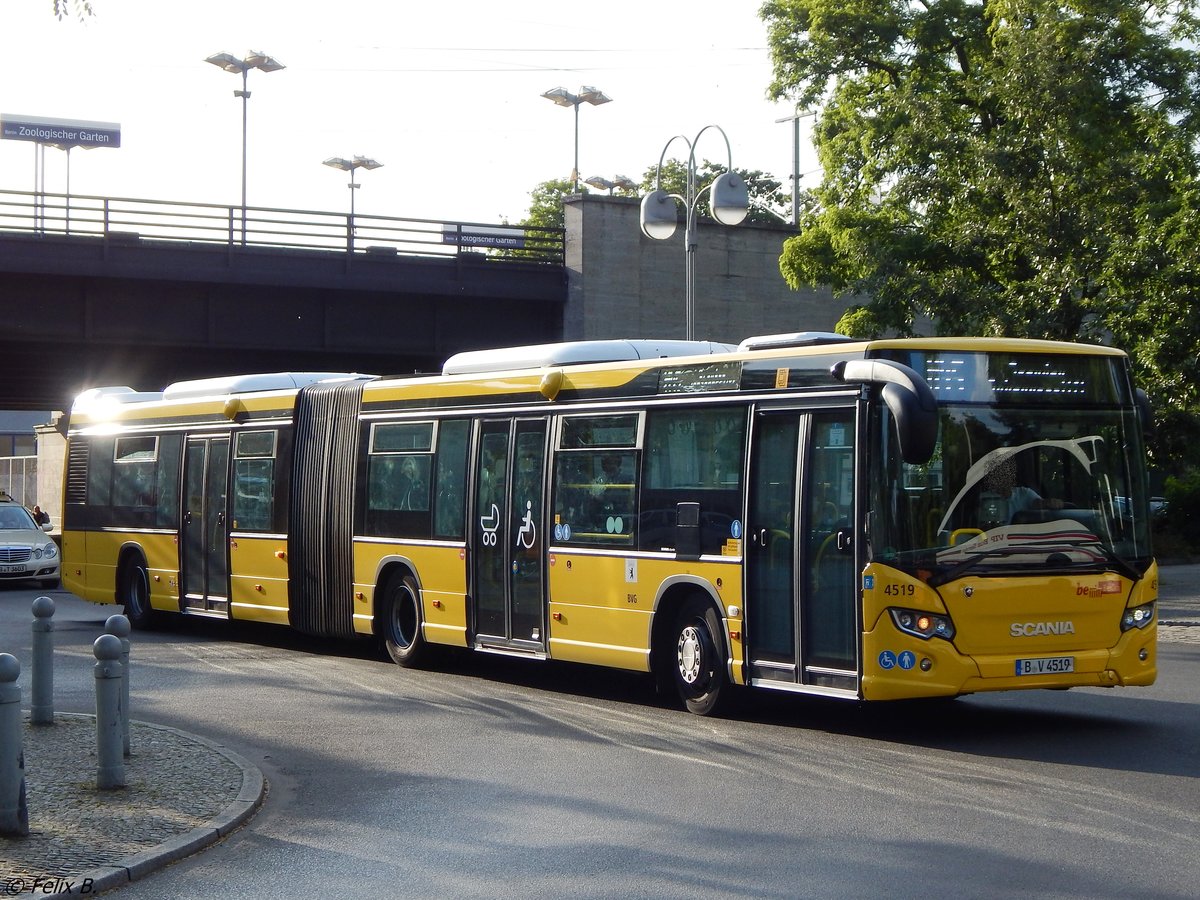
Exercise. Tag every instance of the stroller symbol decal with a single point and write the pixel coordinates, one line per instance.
(490, 524)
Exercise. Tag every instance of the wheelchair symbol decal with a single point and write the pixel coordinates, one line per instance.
(527, 533)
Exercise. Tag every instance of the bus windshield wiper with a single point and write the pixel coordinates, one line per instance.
(1101, 550)
(1122, 565)
(961, 568)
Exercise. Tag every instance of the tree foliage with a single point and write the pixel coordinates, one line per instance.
(1005, 167)
(82, 8)
(768, 202)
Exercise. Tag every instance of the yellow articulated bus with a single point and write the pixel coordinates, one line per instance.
(868, 520)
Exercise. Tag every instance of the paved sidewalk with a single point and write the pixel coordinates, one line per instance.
(182, 793)
(1179, 603)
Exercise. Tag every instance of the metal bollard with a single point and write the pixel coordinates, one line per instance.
(118, 626)
(110, 762)
(14, 815)
(41, 710)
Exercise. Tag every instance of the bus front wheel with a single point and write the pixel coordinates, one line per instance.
(698, 666)
(135, 595)
(401, 627)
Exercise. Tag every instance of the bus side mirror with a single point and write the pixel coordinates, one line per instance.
(687, 530)
(1145, 412)
(907, 396)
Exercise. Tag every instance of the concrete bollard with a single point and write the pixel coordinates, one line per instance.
(14, 815)
(41, 710)
(118, 626)
(110, 761)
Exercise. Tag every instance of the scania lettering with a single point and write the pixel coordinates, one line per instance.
(1030, 629)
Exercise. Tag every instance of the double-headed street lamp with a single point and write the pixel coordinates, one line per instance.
(729, 199)
(255, 59)
(349, 165)
(623, 182)
(563, 97)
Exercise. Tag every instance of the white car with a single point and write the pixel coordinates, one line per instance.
(26, 551)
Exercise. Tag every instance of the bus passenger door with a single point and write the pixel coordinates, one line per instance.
(204, 536)
(509, 534)
(802, 587)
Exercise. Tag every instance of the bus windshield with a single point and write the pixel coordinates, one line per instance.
(1037, 469)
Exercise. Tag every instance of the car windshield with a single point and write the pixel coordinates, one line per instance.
(15, 518)
(1036, 479)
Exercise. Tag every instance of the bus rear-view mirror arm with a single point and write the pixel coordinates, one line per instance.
(1145, 412)
(907, 396)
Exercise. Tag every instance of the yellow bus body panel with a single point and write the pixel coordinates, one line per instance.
(993, 609)
(75, 566)
(602, 606)
(96, 581)
(441, 572)
(258, 578)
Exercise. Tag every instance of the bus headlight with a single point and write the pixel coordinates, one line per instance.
(920, 624)
(1137, 617)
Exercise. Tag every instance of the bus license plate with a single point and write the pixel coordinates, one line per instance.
(1047, 665)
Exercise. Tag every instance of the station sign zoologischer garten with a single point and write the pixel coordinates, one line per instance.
(60, 132)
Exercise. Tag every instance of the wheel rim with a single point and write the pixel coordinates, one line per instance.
(690, 655)
(404, 619)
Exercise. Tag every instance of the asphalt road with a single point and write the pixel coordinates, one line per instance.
(490, 777)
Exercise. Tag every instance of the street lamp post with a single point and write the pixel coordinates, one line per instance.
(729, 199)
(255, 59)
(623, 182)
(563, 97)
(349, 165)
(795, 120)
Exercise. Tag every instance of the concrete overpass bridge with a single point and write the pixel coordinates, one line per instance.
(98, 290)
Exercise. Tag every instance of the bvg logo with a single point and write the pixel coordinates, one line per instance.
(1033, 629)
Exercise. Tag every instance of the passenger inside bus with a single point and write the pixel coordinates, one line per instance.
(1003, 499)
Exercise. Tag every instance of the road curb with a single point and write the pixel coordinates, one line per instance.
(232, 817)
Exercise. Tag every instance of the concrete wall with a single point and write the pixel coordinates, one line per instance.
(52, 458)
(622, 284)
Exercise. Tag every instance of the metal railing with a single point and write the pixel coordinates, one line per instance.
(129, 219)
(19, 478)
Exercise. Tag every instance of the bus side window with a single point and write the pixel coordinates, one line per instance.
(451, 480)
(399, 463)
(254, 481)
(596, 480)
(693, 456)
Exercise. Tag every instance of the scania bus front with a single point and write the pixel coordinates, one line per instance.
(1019, 556)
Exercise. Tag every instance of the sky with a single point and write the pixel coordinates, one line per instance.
(446, 95)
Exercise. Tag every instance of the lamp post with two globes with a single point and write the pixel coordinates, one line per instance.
(729, 199)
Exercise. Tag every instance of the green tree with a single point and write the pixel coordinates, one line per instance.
(546, 202)
(1012, 167)
(768, 203)
(83, 8)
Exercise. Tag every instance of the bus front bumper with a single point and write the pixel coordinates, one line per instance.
(897, 666)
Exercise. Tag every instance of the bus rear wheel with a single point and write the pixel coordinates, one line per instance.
(135, 595)
(401, 621)
(697, 665)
